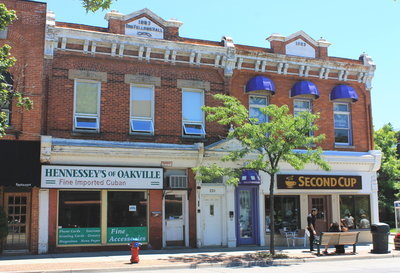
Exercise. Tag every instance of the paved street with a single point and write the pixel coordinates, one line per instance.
(389, 265)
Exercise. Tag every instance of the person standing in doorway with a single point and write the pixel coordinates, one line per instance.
(311, 219)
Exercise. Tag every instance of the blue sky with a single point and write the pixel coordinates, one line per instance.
(352, 26)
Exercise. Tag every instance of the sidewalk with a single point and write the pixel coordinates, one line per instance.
(175, 258)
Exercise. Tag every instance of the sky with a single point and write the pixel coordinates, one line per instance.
(352, 26)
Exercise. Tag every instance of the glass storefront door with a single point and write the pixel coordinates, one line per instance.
(324, 211)
(247, 226)
(17, 208)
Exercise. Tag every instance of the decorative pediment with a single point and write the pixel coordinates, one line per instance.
(225, 145)
(299, 44)
(144, 23)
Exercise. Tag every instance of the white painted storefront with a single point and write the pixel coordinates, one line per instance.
(343, 164)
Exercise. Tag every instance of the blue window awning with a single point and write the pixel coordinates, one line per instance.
(344, 93)
(260, 83)
(250, 177)
(304, 88)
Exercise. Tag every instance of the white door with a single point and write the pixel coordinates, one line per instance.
(174, 220)
(212, 221)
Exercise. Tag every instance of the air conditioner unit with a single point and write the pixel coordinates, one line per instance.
(178, 182)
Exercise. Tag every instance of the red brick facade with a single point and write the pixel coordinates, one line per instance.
(26, 36)
(44, 73)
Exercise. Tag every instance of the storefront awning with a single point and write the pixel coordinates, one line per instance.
(260, 83)
(250, 177)
(304, 88)
(344, 93)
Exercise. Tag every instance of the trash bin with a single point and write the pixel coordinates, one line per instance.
(380, 238)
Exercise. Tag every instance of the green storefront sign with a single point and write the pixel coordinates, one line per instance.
(79, 236)
(116, 235)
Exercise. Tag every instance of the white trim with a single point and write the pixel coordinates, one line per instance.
(43, 240)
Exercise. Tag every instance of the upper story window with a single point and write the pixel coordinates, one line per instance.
(5, 108)
(255, 104)
(342, 123)
(7, 82)
(87, 106)
(301, 106)
(4, 33)
(142, 109)
(192, 114)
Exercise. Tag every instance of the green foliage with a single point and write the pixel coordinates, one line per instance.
(6, 61)
(386, 140)
(95, 5)
(3, 224)
(263, 145)
(6, 16)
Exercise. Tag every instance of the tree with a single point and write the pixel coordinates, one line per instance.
(265, 145)
(95, 5)
(7, 93)
(386, 140)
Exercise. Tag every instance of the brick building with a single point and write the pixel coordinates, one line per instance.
(124, 128)
(20, 160)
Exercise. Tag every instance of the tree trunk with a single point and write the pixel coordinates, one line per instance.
(271, 214)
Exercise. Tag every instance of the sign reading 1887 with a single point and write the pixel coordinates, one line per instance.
(86, 177)
(144, 27)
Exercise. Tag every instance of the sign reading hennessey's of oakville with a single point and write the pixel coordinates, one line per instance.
(86, 177)
(310, 182)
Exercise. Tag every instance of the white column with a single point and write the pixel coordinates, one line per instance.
(231, 225)
(374, 199)
(43, 245)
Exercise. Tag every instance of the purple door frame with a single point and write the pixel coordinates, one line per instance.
(255, 227)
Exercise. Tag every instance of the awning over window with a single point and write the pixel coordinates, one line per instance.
(250, 177)
(304, 88)
(344, 92)
(260, 83)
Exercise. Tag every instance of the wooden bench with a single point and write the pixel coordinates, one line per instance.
(336, 238)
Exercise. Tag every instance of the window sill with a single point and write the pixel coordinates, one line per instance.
(144, 137)
(84, 133)
(344, 146)
(196, 138)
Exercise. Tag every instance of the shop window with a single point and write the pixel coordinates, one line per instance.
(355, 211)
(79, 209)
(126, 209)
(142, 110)
(287, 212)
(255, 105)
(192, 114)
(342, 123)
(87, 106)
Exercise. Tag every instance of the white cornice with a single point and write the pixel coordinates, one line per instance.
(226, 57)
